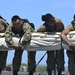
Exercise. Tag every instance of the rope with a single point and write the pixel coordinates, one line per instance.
(37, 63)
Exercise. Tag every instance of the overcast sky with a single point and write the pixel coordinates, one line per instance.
(33, 10)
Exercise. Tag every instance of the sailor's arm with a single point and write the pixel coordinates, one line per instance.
(41, 29)
(9, 35)
(65, 39)
(27, 34)
(60, 25)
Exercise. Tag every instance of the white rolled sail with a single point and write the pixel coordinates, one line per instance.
(40, 42)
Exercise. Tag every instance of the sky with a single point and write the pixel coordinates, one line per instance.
(33, 10)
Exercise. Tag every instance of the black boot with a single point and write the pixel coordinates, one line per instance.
(0, 70)
(49, 72)
(15, 72)
(30, 73)
(59, 72)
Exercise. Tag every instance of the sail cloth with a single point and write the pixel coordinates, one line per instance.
(40, 42)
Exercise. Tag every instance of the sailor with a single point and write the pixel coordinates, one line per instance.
(52, 24)
(3, 54)
(23, 29)
(70, 53)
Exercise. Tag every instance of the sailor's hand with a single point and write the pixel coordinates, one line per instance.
(16, 46)
(72, 46)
